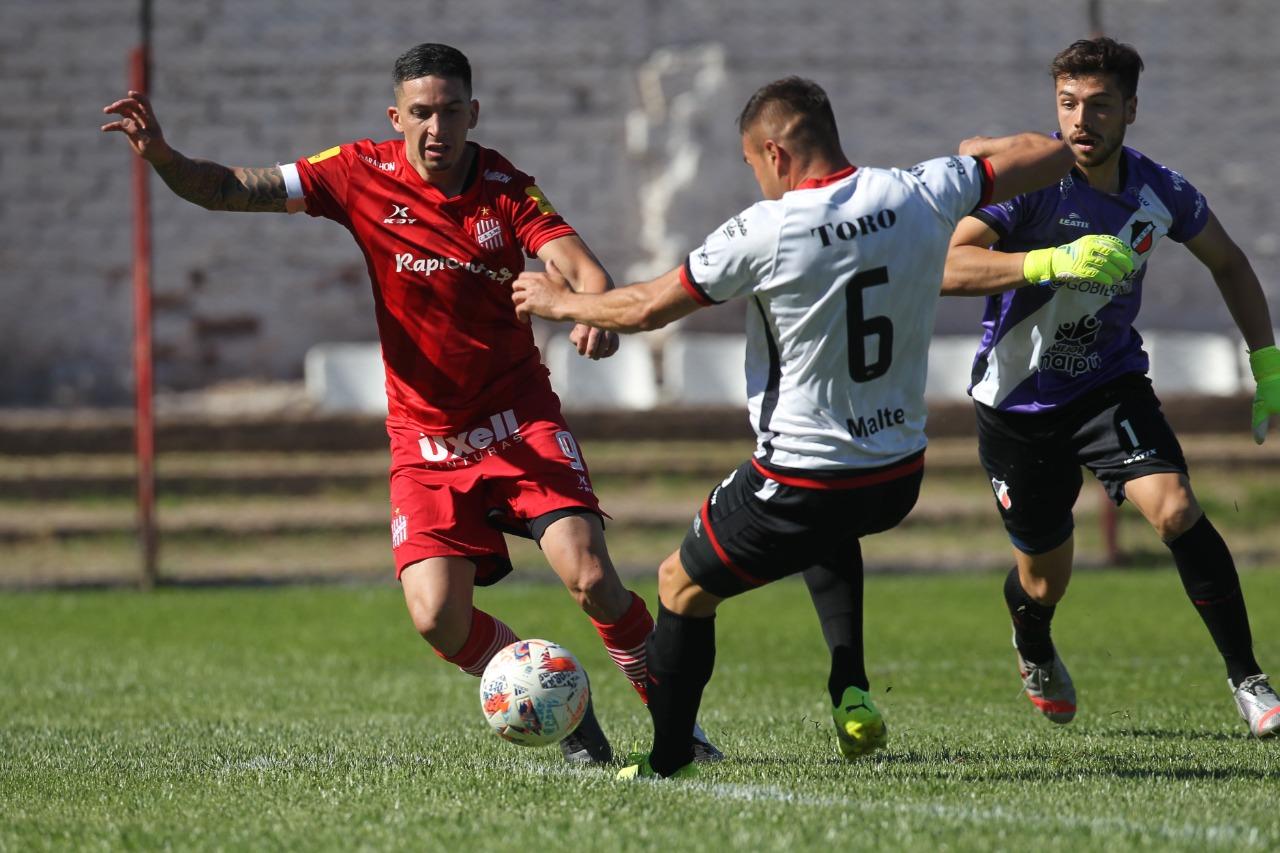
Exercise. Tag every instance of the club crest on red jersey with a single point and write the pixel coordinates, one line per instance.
(489, 231)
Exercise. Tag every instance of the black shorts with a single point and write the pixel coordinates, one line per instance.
(1117, 431)
(754, 529)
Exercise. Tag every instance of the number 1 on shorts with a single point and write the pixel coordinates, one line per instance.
(1128, 429)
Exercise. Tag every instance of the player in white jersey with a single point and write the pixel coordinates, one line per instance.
(842, 266)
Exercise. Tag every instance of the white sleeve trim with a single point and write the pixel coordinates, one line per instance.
(292, 183)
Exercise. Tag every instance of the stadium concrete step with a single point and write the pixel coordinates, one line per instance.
(24, 477)
(93, 431)
(19, 522)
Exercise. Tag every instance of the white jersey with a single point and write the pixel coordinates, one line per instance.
(844, 276)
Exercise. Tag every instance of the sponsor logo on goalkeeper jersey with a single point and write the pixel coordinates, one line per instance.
(408, 262)
(1070, 351)
(1121, 288)
(1073, 220)
(500, 177)
(470, 446)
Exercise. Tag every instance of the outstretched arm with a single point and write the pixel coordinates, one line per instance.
(972, 269)
(1022, 163)
(635, 308)
(577, 263)
(210, 185)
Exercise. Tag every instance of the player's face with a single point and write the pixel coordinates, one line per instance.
(757, 154)
(434, 114)
(1093, 115)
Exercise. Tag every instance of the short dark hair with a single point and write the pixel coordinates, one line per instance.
(433, 60)
(1100, 55)
(805, 99)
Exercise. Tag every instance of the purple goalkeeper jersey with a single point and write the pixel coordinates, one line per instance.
(1043, 346)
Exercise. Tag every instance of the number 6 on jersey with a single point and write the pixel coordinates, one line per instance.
(862, 327)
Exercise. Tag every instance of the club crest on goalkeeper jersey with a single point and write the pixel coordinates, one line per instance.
(1043, 346)
(843, 276)
(441, 270)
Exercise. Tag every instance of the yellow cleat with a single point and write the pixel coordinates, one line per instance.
(860, 730)
(638, 768)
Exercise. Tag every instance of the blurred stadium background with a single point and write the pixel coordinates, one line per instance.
(271, 454)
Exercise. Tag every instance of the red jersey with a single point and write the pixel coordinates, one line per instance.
(441, 270)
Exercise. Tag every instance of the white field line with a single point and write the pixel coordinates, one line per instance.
(1216, 834)
(1209, 833)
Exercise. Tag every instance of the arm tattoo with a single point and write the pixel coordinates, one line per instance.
(217, 187)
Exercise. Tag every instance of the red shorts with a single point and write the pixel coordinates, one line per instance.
(515, 465)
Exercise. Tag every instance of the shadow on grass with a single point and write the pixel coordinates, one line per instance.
(907, 767)
(1040, 767)
(1171, 734)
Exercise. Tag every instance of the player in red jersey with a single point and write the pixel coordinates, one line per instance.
(478, 444)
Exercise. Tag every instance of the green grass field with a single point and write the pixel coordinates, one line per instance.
(313, 718)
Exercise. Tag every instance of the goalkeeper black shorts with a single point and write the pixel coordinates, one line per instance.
(1033, 461)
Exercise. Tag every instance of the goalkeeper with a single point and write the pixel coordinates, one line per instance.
(1059, 380)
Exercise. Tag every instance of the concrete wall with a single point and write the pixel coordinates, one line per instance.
(623, 109)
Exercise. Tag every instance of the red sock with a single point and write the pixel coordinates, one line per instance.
(487, 637)
(624, 641)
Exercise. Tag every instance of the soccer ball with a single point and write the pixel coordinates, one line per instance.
(534, 693)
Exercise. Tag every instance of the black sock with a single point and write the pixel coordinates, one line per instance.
(837, 596)
(1209, 576)
(682, 654)
(1031, 621)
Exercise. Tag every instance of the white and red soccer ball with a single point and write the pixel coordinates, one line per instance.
(534, 693)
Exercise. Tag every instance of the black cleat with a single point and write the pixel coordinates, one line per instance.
(703, 749)
(587, 744)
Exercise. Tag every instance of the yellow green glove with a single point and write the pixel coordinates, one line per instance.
(1265, 363)
(1100, 258)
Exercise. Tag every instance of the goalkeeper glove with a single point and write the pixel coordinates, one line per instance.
(1098, 258)
(1265, 363)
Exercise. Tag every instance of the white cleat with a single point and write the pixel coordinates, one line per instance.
(1259, 705)
(1049, 687)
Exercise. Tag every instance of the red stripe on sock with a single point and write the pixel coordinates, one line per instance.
(624, 641)
(485, 639)
(631, 630)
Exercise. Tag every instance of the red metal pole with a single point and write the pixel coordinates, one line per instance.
(144, 417)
